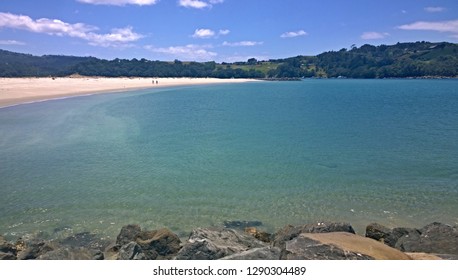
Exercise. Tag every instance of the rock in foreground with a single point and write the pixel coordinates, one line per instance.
(338, 246)
(134, 243)
(318, 241)
(216, 243)
(436, 238)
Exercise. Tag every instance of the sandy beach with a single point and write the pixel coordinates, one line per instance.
(15, 91)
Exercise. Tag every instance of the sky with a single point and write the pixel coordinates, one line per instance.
(218, 30)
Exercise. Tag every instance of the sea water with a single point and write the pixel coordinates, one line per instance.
(356, 151)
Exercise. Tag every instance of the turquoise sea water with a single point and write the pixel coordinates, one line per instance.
(358, 151)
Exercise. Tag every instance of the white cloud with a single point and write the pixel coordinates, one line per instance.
(11, 42)
(117, 37)
(187, 52)
(44, 25)
(374, 35)
(439, 26)
(224, 32)
(203, 33)
(293, 34)
(198, 4)
(242, 44)
(120, 2)
(193, 4)
(434, 9)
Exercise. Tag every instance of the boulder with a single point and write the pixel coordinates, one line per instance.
(377, 232)
(131, 251)
(303, 248)
(128, 234)
(434, 238)
(159, 244)
(216, 243)
(72, 253)
(155, 244)
(290, 232)
(338, 246)
(111, 252)
(32, 249)
(81, 246)
(265, 253)
(386, 235)
(7, 250)
(259, 235)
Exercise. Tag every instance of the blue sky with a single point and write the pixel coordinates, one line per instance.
(219, 30)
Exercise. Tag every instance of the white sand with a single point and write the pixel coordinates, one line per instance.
(15, 91)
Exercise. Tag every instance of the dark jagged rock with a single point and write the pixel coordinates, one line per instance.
(7, 256)
(304, 248)
(131, 251)
(72, 253)
(32, 249)
(399, 232)
(155, 244)
(290, 232)
(259, 235)
(241, 225)
(377, 232)
(7, 250)
(128, 234)
(386, 235)
(434, 238)
(324, 227)
(265, 253)
(81, 246)
(332, 241)
(216, 243)
(162, 243)
(338, 246)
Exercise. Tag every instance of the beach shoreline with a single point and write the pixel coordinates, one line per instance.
(16, 91)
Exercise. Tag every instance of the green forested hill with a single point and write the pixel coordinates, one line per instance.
(24, 65)
(420, 59)
(400, 60)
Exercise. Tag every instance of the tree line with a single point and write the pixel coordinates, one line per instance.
(401, 60)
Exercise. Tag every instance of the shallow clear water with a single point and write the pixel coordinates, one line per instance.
(282, 153)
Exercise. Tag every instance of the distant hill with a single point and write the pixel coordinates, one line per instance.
(401, 60)
(25, 65)
(419, 59)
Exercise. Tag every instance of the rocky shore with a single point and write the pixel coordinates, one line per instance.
(242, 240)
